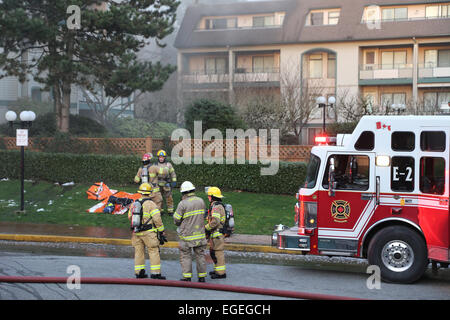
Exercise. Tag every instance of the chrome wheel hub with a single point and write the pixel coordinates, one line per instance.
(397, 256)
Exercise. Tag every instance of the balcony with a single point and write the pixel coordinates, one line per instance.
(241, 77)
(429, 73)
(264, 77)
(372, 74)
(200, 79)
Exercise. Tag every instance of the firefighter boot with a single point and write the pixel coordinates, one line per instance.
(158, 276)
(218, 276)
(141, 274)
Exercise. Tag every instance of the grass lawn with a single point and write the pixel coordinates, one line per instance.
(51, 203)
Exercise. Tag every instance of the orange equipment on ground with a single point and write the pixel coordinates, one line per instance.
(112, 201)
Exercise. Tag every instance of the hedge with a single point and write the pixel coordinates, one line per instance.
(117, 170)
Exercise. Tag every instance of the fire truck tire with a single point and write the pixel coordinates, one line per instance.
(400, 252)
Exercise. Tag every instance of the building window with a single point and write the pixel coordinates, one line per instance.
(432, 175)
(316, 18)
(433, 100)
(402, 174)
(437, 58)
(437, 11)
(215, 65)
(331, 68)
(312, 133)
(36, 94)
(263, 64)
(264, 21)
(333, 17)
(315, 66)
(221, 23)
(393, 59)
(388, 99)
(394, 14)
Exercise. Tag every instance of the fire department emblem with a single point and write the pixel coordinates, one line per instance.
(340, 210)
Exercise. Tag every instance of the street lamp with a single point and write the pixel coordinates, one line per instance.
(26, 119)
(400, 107)
(445, 107)
(322, 103)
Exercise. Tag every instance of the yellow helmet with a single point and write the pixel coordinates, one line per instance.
(161, 153)
(215, 192)
(145, 188)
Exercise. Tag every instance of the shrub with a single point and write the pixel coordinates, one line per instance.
(120, 170)
(213, 114)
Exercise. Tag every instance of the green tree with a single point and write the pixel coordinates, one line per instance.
(99, 50)
(213, 114)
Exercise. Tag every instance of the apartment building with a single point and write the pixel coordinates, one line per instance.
(391, 53)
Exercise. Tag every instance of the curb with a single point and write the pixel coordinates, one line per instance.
(127, 242)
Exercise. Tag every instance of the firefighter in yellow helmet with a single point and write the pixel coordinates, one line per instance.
(167, 179)
(216, 220)
(148, 173)
(190, 219)
(147, 228)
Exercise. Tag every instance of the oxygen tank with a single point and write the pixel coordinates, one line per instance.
(136, 216)
(144, 175)
(230, 214)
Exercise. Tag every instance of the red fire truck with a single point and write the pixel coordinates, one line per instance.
(380, 193)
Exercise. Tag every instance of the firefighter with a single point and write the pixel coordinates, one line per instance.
(146, 235)
(216, 219)
(167, 179)
(149, 174)
(189, 217)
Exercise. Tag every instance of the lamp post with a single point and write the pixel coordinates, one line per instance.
(322, 103)
(26, 119)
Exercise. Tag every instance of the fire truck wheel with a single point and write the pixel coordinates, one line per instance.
(400, 252)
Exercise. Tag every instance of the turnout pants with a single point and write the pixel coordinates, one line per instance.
(186, 259)
(167, 194)
(217, 254)
(141, 241)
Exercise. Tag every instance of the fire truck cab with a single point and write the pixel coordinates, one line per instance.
(380, 193)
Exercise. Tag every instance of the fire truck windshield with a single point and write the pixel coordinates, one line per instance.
(312, 172)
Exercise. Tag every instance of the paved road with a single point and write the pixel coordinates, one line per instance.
(317, 277)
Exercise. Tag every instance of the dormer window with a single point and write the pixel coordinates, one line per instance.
(220, 23)
(263, 21)
(323, 17)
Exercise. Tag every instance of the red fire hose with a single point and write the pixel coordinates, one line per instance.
(182, 284)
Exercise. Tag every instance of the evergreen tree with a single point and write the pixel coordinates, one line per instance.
(84, 42)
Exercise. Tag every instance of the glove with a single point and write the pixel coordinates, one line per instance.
(162, 238)
(173, 184)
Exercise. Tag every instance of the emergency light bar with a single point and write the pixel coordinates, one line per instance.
(319, 140)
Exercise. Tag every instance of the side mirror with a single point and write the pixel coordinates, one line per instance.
(331, 178)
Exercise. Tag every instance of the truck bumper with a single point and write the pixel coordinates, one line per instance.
(289, 239)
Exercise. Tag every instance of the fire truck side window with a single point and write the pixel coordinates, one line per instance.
(366, 141)
(351, 172)
(432, 141)
(402, 174)
(402, 141)
(432, 175)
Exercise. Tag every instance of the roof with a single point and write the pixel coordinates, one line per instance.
(294, 30)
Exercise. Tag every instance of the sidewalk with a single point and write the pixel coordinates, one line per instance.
(116, 236)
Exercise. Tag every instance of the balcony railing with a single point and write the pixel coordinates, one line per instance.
(385, 71)
(241, 75)
(257, 75)
(431, 70)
